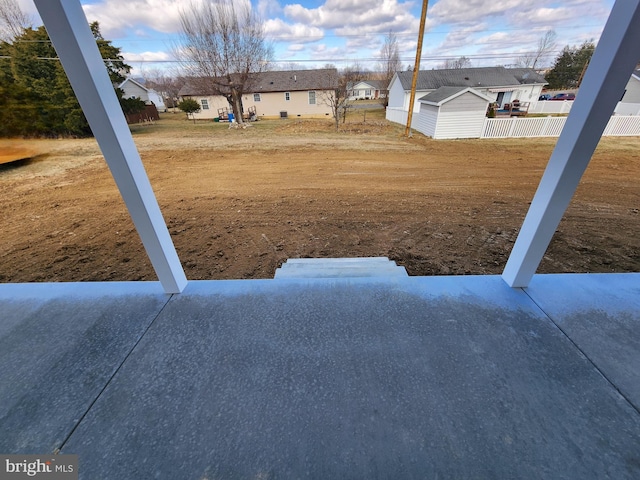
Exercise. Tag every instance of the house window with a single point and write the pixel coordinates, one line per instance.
(287, 96)
(312, 98)
(367, 92)
(256, 97)
(205, 104)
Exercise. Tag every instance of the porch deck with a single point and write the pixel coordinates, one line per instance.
(401, 377)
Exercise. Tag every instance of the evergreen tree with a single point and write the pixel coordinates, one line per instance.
(569, 66)
(36, 98)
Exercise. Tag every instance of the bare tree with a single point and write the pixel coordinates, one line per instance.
(390, 63)
(335, 94)
(546, 46)
(165, 84)
(12, 20)
(457, 63)
(223, 44)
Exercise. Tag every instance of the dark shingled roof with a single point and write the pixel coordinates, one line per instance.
(471, 77)
(442, 93)
(284, 81)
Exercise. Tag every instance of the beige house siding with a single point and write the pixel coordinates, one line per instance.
(214, 102)
(270, 105)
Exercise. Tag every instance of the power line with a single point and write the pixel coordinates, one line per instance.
(309, 38)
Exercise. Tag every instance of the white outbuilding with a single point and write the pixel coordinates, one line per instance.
(452, 112)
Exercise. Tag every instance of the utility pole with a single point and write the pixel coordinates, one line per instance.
(584, 70)
(416, 67)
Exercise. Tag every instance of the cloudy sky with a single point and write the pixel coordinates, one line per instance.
(314, 33)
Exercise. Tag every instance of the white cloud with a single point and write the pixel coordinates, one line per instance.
(459, 38)
(269, 8)
(344, 29)
(520, 14)
(279, 30)
(147, 57)
(472, 11)
(118, 17)
(322, 52)
(347, 15)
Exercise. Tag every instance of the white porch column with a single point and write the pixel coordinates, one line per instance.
(71, 36)
(611, 66)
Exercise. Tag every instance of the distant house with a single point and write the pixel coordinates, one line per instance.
(500, 84)
(134, 89)
(294, 93)
(367, 90)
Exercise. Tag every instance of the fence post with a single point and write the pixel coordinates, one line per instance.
(612, 125)
(545, 126)
(512, 127)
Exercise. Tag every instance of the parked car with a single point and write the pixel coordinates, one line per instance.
(544, 96)
(564, 96)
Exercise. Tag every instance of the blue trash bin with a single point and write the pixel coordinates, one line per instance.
(231, 117)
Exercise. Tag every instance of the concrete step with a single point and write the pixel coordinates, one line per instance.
(339, 268)
(294, 261)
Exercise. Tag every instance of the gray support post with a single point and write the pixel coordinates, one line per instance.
(71, 36)
(611, 66)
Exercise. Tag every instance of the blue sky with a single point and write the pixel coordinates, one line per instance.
(308, 34)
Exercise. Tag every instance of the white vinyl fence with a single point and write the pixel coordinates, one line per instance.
(551, 106)
(522, 127)
(518, 127)
(398, 115)
(619, 125)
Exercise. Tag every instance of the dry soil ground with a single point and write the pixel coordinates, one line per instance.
(240, 202)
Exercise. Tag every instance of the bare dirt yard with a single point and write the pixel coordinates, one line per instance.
(240, 202)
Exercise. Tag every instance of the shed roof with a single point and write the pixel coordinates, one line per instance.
(445, 94)
(279, 81)
(471, 77)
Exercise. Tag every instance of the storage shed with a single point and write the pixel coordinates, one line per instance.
(452, 112)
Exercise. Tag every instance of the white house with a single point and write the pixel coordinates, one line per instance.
(134, 89)
(632, 90)
(367, 90)
(452, 112)
(500, 84)
(294, 93)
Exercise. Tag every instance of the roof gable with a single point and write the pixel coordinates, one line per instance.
(133, 82)
(443, 95)
(470, 77)
(373, 84)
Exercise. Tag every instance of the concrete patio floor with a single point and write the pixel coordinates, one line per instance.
(404, 377)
